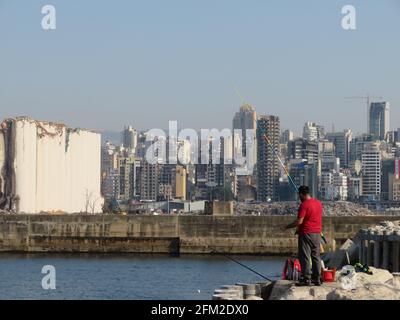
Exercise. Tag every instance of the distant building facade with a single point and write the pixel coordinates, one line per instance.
(378, 120)
(371, 171)
(130, 139)
(341, 141)
(268, 168)
(245, 122)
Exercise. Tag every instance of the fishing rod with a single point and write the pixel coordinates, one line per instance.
(284, 168)
(243, 265)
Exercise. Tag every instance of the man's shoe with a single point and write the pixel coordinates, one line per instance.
(316, 283)
(303, 283)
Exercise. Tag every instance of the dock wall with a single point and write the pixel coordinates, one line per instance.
(166, 234)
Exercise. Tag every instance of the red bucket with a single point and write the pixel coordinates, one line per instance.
(329, 275)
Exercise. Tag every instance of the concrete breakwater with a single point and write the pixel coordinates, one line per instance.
(166, 234)
(380, 246)
(381, 285)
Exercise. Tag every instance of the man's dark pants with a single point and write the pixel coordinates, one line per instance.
(309, 246)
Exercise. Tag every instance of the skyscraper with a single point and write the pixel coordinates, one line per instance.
(149, 180)
(267, 163)
(244, 120)
(304, 173)
(312, 131)
(388, 169)
(341, 141)
(371, 170)
(378, 120)
(180, 183)
(287, 136)
(129, 175)
(303, 149)
(357, 146)
(129, 138)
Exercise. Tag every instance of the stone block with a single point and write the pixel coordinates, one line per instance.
(254, 298)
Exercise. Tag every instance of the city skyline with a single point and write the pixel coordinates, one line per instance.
(184, 62)
(226, 151)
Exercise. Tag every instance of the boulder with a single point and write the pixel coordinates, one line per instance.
(250, 289)
(378, 286)
(396, 280)
(287, 290)
(368, 292)
(234, 293)
(379, 276)
(347, 254)
(254, 298)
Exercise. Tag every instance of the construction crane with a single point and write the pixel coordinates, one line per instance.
(368, 99)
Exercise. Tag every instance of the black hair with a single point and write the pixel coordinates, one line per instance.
(304, 190)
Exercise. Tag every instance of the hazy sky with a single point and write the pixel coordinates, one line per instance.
(111, 63)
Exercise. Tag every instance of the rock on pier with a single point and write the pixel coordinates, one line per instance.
(381, 285)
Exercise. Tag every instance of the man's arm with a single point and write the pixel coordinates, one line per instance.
(295, 223)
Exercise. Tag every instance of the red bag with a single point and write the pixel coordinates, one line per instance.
(291, 269)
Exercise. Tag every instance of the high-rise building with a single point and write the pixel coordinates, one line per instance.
(231, 183)
(210, 175)
(341, 188)
(287, 136)
(110, 185)
(109, 171)
(388, 169)
(357, 146)
(341, 141)
(394, 191)
(313, 132)
(378, 120)
(392, 136)
(149, 180)
(166, 182)
(306, 174)
(326, 184)
(303, 149)
(371, 171)
(246, 121)
(333, 186)
(128, 178)
(142, 145)
(268, 168)
(321, 132)
(184, 151)
(330, 163)
(180, 183)
(394, 182)
(326, 148)
(310, 132)
(129, 138)
(354, 188)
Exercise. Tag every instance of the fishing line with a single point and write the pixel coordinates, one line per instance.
(243, 265)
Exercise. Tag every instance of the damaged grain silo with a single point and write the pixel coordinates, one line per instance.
(47, 168)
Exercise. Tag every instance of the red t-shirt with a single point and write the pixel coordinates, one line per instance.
(311, 211)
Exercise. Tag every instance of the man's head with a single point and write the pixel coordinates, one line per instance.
(304, 193)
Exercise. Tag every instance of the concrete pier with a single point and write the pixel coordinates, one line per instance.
(395, 250)
(170, 233)
(381, 247)
(377, 254)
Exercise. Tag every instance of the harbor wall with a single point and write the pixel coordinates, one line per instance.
(166, 234)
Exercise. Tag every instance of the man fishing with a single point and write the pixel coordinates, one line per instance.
(309, 227)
